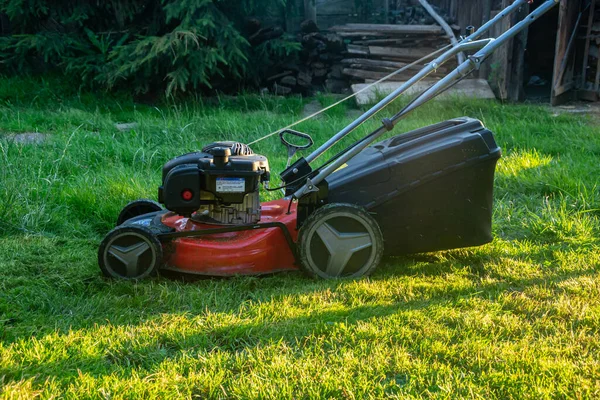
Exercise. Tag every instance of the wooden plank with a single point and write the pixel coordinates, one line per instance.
(390, 29)
(498, 76)
(586, 48)
(360, 34)
(587, 95)
(568, 12)
(367, 62)
(516, 87)
(559, 90)
(402, 53)
(469, 12)
(374, 42)
(427, 41)
(597, 81)
(355, 49)
(564, 61)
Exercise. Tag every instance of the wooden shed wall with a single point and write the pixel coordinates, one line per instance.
(333, 12)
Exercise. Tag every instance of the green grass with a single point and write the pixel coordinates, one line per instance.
(518, 318)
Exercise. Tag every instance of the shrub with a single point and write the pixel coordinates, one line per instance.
(170, 45)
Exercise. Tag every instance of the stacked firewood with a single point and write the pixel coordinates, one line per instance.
(352, 53)
(376, 50)
(318, 66)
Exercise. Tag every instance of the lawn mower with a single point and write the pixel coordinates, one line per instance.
(426, 190)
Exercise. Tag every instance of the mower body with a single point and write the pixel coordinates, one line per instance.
(430, 189)
(245, 252)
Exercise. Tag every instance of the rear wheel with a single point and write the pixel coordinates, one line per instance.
(137, 208)
(130, 252)
(340, 241)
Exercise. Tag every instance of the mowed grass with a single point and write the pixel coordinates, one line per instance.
(518, 318)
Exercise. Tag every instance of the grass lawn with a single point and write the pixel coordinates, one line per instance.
(518, 318)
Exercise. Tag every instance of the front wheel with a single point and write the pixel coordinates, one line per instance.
(130, 252)
(137, 208)
(340, 241)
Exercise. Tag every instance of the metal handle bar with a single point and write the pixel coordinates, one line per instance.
(486, 48)
(429, 68)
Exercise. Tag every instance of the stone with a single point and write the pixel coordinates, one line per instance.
(127, 126)
(29, 138)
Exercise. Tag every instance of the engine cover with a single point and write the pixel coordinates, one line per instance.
(220, 184)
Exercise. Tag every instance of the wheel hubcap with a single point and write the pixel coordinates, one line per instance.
(129, 255)
(341, 245)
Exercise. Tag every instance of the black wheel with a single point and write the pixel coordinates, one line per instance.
(130, 252)
(137, 208)
(340, 241)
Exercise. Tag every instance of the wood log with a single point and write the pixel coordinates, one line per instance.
(390, 29)
(354, 49)
(280, 75)
(304, 79)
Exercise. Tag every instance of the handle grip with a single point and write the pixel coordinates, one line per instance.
(292, 132)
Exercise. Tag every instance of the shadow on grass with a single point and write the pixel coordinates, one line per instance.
(128, 356)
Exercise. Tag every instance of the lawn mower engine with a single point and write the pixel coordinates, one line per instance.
(219, 185)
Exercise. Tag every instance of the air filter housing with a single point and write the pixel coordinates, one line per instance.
(219, 184)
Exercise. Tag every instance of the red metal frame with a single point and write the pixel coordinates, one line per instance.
(250, 252)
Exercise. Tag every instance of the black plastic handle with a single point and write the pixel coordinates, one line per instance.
(298, 134)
